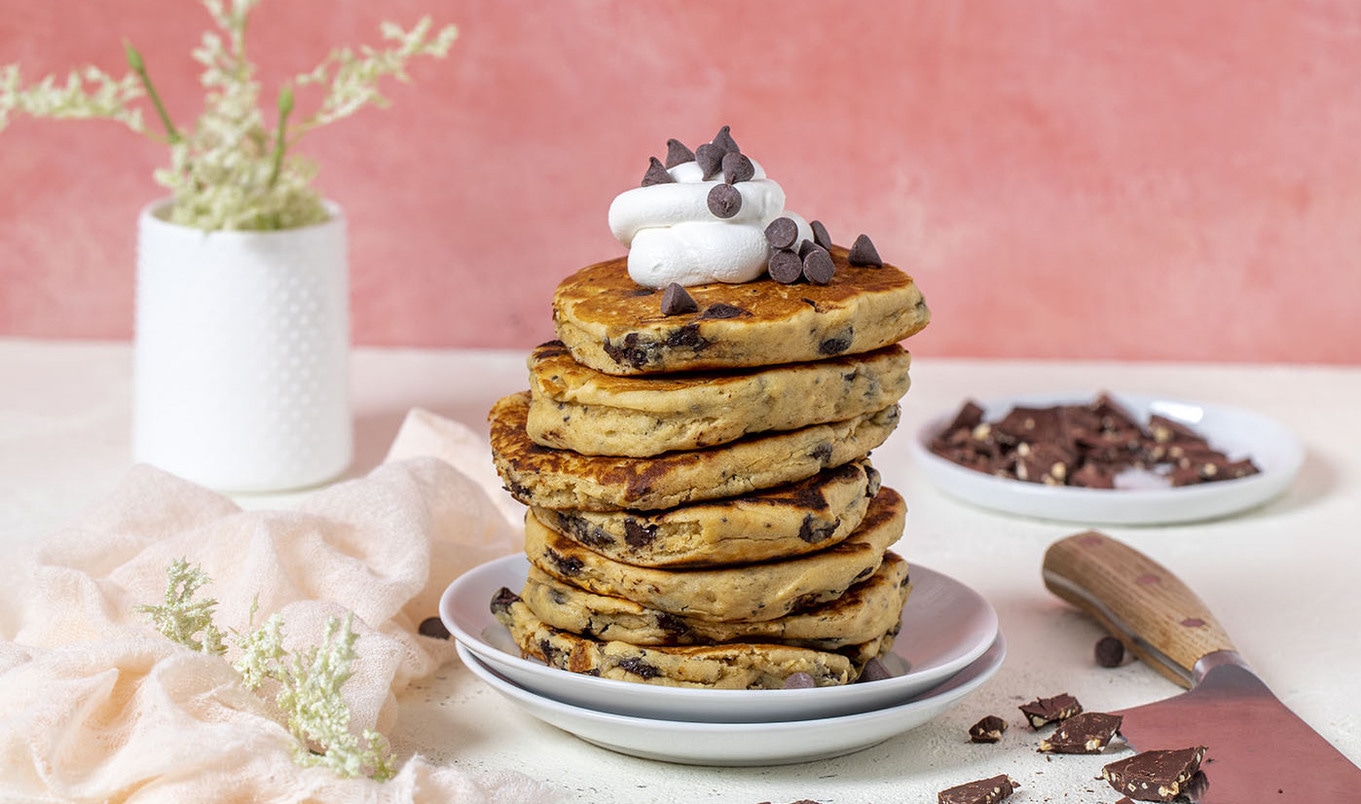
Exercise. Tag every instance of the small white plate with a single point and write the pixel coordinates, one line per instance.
(945, 627)
(1235, 432)
(744, 744)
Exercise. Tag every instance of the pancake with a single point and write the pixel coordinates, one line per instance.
(763, 591)
(616, 326)
(866, 611)
(563, 479)
(578, 408)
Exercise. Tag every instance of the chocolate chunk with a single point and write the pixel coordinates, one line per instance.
(638, 667)
(1092, 475)
(433, 627)
(820, 235)
(987, 730)
(567, 565)
(1155, 775)
(637, 535)
(818, 266)
(737, 167)
(874, 670)
(798, 681)
(864, 254)
(785, 267)
(503, 600)
(723, 139)
(836, 344)
(676, 300)
(721, 310)
(724, 201)
(710, 159)
(983, 791)
(1110, 652)
(782, 232)
(1083, 733)
(656, 173)
(677, 153)
(1042, 711)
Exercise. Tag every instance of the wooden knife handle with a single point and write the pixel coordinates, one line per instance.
(1156, 616)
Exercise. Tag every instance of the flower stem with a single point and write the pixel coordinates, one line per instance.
(139, 67)
(280, 144)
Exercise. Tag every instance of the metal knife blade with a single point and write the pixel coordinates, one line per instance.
(1258, 750)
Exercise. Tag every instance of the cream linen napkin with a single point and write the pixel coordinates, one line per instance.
(96, 705)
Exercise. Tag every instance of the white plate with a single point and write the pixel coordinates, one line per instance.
(1235, 432)
(744, 743)
(945, 627)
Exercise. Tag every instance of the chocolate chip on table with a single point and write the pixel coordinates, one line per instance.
(818, 266)
(1156, 775)
(987, 730)
(820, 235)
(785, 267)
(724, 201)
(1042, 711)
(677, 153)
(656, 173)
(433, 627)
(737, 167)
(798, 681)
(676, 300)
(1083, 733)
(782, 232)
(864, 254)
(983, 791)
(1110, 652)
(710, 160)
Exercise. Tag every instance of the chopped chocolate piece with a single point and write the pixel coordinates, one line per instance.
(1030, 424)
(970, 415)
(1042, 711)
(987, 730)
(676, 300)
(656, 173)
(737, 167)
(785, 267)
(677, 153)
(818, 266)
(820, 235)
(433, 627)
(798, 681)
(1110, 652)
(1154, 775)
(782, 232)
(1165, 430)
(983, 791)
(710, 159)
(1091, 475)
(1043, 462)
(874, 670)
(1083, 733)
(723, 139)
(724, 201)
(864, 254)
(721, 310)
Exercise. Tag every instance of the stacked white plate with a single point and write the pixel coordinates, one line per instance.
(948, 647)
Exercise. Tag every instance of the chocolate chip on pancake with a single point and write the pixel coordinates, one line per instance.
(818, 266)
(677, 301)
(782, 232)
(820, 235)
(864, 254)
(785, 266)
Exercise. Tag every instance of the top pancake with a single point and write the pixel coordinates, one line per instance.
(614, 325)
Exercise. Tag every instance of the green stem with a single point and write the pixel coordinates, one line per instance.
(280, 144)
(139, 67)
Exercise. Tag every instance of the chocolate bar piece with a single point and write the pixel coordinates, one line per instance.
(987, 730)
(1043, 711)
(1084, 733)
(983, 791)
(1155, 775)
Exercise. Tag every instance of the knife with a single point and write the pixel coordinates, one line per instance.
(1258, 749)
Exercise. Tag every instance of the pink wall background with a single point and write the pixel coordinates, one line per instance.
(1142, 179)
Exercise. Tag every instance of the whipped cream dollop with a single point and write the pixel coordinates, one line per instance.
(673, 236)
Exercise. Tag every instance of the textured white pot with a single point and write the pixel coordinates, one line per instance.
(241, 358)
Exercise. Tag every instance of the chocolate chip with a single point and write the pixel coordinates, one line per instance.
(724, 201)
(1042, 711)
(503, 600)
(1084, 733)
(987, 730)
(638, 667)
(723, 139)
(799, 681)
(818, 266)
(656, 173)
(737, 167)
(676, 300)
(710, 160)
(782, 232)
(567, 565)
(677, 153)
(864, 254)
(433, 627)
(820, 235)
(983, 791)
(806, 246)
(874, 670)
(785, 267)
(1110, 652)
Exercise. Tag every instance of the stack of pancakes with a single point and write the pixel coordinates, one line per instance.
(702, 509)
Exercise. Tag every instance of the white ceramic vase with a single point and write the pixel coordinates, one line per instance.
(241, 357)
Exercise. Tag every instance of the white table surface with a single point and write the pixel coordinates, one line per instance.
(1282, 579)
